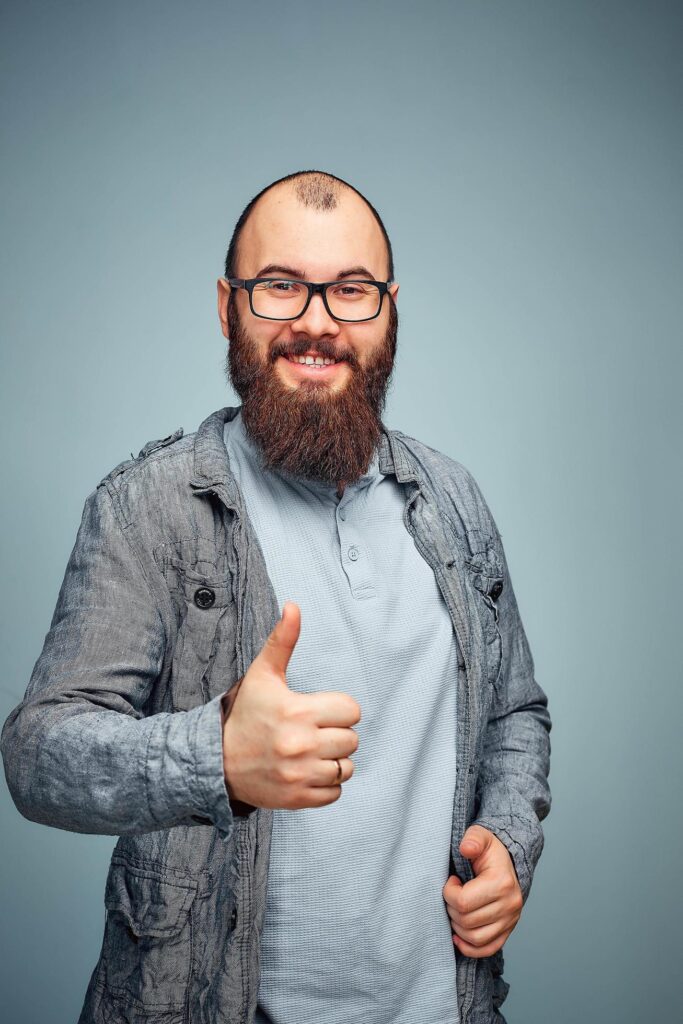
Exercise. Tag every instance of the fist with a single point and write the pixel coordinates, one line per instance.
(484, 910)
(280, 747)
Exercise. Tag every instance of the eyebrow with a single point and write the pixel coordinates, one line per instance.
(277, 268)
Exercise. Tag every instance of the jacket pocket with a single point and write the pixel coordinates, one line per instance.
(147, 949)
(486, 573)
(206, 637)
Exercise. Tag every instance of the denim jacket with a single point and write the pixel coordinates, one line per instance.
(165, 602)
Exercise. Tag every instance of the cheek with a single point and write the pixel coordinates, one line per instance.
(266, 335)
(362, 339)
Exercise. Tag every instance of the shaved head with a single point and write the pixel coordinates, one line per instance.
(317, 190)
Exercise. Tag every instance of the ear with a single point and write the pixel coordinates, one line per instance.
(224, 290)
(393, 291)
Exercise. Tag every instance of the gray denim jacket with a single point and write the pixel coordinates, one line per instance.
(165, 603)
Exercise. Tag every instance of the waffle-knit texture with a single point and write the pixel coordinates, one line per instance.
(356, 928)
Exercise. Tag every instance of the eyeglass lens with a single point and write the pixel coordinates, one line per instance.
(348, 300)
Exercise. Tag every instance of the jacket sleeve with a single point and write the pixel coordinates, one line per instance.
(513, 796)
(79, 752)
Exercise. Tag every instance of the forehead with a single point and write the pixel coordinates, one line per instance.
(322, 243)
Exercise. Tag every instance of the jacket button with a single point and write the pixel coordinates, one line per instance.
(204, 597)
(496, 590)
(233, 918)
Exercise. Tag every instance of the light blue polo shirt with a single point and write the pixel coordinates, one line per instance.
(356, 929)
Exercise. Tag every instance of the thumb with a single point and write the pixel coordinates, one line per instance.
(474, 842)
(277, 650)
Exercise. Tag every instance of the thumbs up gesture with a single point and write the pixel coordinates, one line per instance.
(280, 747)
(484, 910)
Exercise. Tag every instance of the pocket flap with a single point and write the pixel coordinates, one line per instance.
(150, 903)
(487, 572)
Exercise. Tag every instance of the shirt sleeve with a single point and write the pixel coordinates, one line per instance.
(513, 795)
(79, 752)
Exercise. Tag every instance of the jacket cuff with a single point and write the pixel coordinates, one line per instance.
(524, 842)
(239, 808)
(185, 773)
(208, 756)
(212, 796)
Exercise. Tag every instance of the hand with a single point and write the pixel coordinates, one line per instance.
(279, 747)
(484, 910)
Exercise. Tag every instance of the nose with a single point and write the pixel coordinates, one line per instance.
(316, 321)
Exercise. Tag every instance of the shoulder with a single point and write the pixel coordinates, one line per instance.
(454, 485)
(161, 469)
(159, 449)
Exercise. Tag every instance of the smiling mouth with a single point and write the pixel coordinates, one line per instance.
(313, 369)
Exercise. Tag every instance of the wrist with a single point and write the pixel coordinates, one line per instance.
(239, 808)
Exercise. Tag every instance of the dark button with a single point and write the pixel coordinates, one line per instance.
(496, 590)
(202, 821)
(204, 597)
(233, 918)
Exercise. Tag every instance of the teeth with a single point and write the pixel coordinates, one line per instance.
(309, 360)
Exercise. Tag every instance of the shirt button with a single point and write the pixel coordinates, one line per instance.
(353, 553)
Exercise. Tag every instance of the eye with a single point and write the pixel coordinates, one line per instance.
(284, 287)
(353, 290)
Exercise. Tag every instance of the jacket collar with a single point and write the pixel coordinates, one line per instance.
(212, 465)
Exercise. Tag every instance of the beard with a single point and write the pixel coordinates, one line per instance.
(310, 431)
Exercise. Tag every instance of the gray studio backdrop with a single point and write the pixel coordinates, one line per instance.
(526, 158)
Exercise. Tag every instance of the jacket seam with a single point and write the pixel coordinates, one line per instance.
(158, 455)
(118, 517)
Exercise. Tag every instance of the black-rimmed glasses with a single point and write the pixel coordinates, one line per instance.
(278, 298)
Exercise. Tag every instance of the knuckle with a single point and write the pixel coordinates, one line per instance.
(286, 774)
(271, 645)
(287, 745)
(295, 710)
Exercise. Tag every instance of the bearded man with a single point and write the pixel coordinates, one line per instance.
(287, 668)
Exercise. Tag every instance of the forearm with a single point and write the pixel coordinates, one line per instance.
(513, 795)
(102, 771)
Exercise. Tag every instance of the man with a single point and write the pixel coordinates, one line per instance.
(330, 813)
